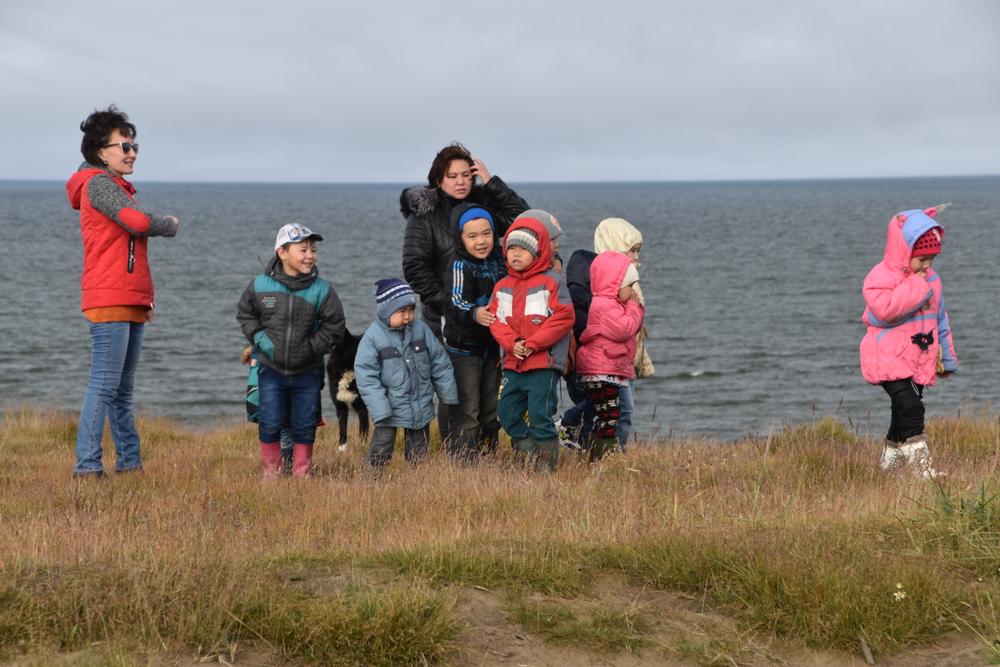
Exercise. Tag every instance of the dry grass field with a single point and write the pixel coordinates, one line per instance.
(792, 550)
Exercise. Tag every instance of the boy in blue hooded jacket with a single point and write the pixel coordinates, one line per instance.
(398, 368)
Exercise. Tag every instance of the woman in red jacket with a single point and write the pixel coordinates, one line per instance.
(116, 285)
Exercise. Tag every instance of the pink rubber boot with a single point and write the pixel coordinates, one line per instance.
(270, 460)
(302, 456)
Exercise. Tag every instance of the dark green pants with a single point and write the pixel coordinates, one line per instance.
(534, 393)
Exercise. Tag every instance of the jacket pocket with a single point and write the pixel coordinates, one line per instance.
(394, 373)
(894, 353)
(421, 360)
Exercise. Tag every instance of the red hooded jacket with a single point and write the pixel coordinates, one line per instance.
(114, 230)
(533, 305)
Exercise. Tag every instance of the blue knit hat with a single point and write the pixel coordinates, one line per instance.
(475, 213)
(391, 294)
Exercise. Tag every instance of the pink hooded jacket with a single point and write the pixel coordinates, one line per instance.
(905, 312)
(607, 345)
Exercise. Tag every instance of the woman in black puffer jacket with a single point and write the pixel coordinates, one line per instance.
(454, 177)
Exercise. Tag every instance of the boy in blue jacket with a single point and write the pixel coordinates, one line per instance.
(399, 366)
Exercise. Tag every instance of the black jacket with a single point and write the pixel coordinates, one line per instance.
(301, 315)
(428, 242)
(470, 286)
(578, 282)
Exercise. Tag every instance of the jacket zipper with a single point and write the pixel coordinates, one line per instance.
(131, 253)
(288, 333)
(411, 368)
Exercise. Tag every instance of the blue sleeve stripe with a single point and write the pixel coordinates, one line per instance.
(918, 318)
(875, 322)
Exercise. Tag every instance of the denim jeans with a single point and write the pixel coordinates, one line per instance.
(115, 348)
(286, 433)
(289, 402)
(473, 420)
(626, 403)
(581, 413)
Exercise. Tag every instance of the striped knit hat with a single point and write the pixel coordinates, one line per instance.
(391, 294)
(523, 238)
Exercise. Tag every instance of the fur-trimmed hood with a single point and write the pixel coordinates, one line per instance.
(421, 200)
(418, 201)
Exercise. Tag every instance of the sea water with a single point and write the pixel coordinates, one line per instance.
(753, 291)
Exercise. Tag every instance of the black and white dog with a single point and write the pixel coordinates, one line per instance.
(344, 388)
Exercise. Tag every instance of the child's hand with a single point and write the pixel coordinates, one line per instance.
(484, 317)
(521, 350)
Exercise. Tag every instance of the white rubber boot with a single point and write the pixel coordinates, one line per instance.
(892, 458)
(918, 456)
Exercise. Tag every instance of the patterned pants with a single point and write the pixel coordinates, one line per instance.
(607, 408)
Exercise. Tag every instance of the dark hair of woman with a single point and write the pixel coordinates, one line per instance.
(98, 128)
(453, 151)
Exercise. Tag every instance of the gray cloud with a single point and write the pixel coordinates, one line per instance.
(334, 91)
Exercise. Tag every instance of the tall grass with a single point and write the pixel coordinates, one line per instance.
(798, 536)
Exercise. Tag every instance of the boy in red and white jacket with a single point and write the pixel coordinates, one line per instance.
(534, 322)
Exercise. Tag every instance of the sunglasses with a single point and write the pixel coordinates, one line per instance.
(126, 146)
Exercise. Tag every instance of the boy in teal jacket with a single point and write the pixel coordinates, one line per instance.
(293, 317)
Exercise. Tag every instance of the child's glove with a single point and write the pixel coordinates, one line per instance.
(264, 344)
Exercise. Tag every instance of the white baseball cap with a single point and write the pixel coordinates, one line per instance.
(294, 233)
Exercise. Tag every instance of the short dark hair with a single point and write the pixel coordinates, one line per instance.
(453, 151)
(97, 130)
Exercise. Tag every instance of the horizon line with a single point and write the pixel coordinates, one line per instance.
(803, 179)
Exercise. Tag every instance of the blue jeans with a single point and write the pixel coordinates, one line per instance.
(289, 402)
(581, 413)
(115, 348)
(626, 403)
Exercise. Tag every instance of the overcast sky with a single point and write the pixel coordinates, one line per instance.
(369, 90)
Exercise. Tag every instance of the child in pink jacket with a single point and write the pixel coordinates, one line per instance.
(908, 342)
(605, 358)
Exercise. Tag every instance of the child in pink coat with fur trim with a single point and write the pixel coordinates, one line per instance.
(908, 343)
(605, 358)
